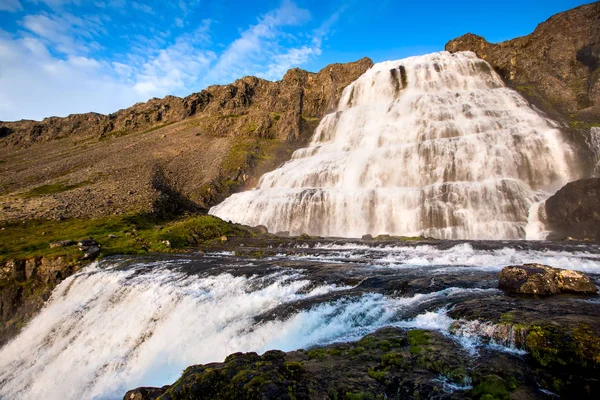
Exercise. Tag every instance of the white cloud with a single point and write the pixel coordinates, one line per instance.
(179, 22)
(10, 5)
(56, 66)
(176, 67)
(142, 7)
(292, 58)
(34, 85)
(251, 51)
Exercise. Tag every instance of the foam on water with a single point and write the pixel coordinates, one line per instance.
(461, 255)
(434, 145)
(106, 330)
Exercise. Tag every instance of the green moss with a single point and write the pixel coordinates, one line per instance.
(492, 387)
(52, 189)
(418, 337)
(275, 116)
(377, 375)
(539, 343)
(392, 359)
(316, 353)
(335, 352)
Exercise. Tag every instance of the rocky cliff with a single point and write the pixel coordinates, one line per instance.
(25, 284)
(171, 153)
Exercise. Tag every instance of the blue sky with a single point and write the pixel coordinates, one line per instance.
(59, 57)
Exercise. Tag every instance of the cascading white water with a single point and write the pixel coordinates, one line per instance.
(434, 145)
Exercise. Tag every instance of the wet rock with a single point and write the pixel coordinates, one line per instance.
(145, 393)
(383, 237)
(367, 237)
(282, 233)
(261, 229)
(574, 210)
(84, 244)
(544, 281)
(62, 243)
(92, 253)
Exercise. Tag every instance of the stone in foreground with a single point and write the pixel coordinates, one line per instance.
(544, 281)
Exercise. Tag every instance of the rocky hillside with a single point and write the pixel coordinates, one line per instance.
(165, 155)
(556, 67)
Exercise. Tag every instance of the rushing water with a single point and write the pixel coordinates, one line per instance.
(124, 323)
(434, 145)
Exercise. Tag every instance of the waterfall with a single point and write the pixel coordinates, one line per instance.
(433, 145)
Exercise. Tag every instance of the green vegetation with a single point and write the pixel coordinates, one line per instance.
(245, 151)
(52, 189)
(416, 339)
(492, 387)
(135, 235)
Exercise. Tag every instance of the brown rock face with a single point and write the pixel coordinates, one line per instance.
(559, 60)
(167, 155)
(25, 284)
(574, 210)
(299, 93)
(544, 281)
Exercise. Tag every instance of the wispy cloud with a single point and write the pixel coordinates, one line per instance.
(142, 7)
(256, 45)
(57, 63)
(10, 5)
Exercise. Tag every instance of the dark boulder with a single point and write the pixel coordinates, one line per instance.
(84, 244)
(544, 281)
(91, 253)
(574, 210)
(145, 393)
(367, 237)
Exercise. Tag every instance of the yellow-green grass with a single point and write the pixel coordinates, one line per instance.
(135, 235)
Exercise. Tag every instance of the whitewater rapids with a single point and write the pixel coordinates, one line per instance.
(125, 323)
(434, 145)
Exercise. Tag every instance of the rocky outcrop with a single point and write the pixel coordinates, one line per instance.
(544, 281)
(560, 59)
(25, 284)
(165, 156)
(396, 364)
(248, 106)
(574, 211)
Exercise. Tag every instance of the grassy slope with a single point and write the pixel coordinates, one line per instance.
(135, 235)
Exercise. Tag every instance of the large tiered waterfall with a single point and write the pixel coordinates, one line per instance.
(434, 145)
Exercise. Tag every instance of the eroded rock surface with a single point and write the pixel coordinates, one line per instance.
(543, 280)
(574, 211)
